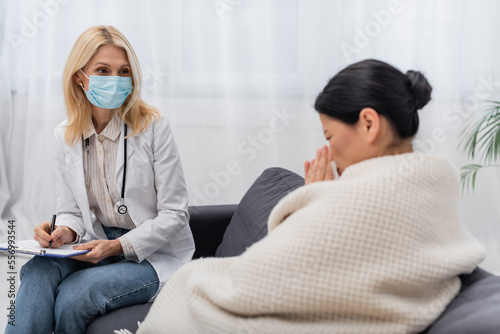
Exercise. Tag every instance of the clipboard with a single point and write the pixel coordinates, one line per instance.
(32, 247)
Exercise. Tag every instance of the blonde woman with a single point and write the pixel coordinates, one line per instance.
(120, 182)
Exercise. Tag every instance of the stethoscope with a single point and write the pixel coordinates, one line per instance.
(120, 207)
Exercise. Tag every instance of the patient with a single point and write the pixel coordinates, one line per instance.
(377, 250)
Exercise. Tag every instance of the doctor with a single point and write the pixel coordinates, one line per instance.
(120, 182)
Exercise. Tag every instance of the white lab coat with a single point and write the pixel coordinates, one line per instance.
(155, 194)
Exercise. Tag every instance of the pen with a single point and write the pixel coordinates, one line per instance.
(52, 226)
(30, 251)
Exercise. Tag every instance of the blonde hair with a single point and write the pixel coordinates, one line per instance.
(134, 112)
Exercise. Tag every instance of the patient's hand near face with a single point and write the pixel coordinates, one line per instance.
(319, 169)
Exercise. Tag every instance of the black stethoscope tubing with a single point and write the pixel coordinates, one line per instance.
(121, 208)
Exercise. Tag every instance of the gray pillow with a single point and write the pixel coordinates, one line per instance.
(122, 318)
(475, 310)
(249, 223)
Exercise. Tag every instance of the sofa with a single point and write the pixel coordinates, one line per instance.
(227, 230)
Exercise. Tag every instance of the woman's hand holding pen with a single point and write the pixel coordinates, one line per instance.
(99, 250)
(61, 235)
(319, 169)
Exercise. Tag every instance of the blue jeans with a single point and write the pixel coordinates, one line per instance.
(63, 295)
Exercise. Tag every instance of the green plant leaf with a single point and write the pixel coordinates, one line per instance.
(483, 135)
(468, 176)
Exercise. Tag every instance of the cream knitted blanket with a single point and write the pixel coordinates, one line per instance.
(377, 251)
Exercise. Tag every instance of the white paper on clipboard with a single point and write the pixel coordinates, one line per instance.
(32, 247)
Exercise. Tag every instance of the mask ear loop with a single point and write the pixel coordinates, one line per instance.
(81, 84)
(84, 74)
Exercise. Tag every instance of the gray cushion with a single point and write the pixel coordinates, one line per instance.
(122, 318)
(475, 310)
(249, 222)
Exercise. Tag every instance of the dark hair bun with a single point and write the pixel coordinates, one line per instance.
(374, 84)
(419, 88)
